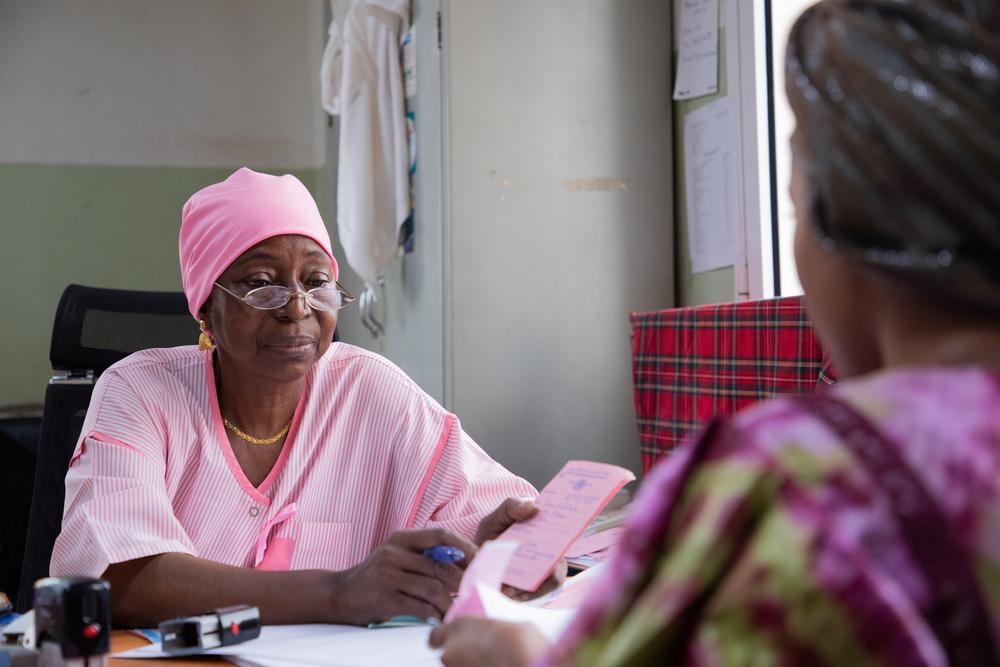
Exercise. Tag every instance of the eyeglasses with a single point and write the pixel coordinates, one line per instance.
(272, 297)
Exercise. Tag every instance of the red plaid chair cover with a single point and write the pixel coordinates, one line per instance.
(690, 365)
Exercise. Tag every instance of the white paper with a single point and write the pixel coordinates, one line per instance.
(550, 622)
(20, 631)
(351, 646)
(330, 645)
(698, 50)
(712, 186)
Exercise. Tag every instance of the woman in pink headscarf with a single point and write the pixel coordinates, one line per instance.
(269, 466)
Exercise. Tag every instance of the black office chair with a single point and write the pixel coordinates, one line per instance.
(93, 329)
(19, 430)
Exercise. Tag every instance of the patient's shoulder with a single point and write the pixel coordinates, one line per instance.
(938, 419)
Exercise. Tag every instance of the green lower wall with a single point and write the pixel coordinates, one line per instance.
(93, 225)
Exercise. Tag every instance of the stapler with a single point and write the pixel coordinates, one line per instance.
(222, 627)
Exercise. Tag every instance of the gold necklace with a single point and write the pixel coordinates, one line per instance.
(257, 441)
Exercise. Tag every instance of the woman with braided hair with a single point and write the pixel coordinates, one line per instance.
(861, 527)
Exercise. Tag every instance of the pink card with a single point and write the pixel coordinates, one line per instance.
(486, 569)
(566, 505)
(596, 542)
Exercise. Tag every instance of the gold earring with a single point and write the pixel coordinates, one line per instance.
(204, 340)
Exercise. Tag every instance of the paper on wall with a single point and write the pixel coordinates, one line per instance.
(698, 49)
(712, 188)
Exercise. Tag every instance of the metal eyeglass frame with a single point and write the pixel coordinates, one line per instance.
(346, 297)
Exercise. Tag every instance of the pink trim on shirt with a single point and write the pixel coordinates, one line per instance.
(286, 449)
(257, 493)
(449, 422)
(101, 437)
(281, 558)
(279, 555)
(97, 435)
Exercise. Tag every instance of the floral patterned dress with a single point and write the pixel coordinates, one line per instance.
(774, 546)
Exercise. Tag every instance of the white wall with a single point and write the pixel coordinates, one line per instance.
(560, 220)
(191, 83)
(544, 215)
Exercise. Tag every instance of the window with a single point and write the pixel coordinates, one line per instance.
(782, 16)
(755, 41)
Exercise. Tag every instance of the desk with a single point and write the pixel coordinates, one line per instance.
(307, 646)
(124, 641)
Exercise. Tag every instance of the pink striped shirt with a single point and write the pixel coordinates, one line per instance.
(368, 453)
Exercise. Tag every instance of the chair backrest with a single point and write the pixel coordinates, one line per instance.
(693, 364)
(18, 449)
(93, 329)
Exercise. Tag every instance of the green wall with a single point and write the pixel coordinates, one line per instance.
(710, 286)
(101, 226)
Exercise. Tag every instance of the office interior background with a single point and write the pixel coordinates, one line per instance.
(548, 198)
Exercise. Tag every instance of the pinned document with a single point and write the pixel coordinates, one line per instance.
(565, 506)
(698, 51)
(711, 179)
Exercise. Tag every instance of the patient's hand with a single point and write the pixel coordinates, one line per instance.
(481, 642)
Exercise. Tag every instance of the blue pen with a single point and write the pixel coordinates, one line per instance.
(444, 554)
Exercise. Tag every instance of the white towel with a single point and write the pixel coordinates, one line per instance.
(362, 81)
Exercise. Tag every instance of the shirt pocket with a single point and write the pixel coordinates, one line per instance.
(322, 545)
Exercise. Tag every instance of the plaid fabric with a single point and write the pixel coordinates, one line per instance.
(690, 365)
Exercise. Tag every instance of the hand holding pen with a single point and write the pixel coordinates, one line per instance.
(440, 553)
(399, 579)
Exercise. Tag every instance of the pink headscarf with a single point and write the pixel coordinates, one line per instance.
(222, 221)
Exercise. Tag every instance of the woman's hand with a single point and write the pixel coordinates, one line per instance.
(397, 579)
(512, 511)
(481, 642)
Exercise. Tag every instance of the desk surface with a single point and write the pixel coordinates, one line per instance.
(124, 641)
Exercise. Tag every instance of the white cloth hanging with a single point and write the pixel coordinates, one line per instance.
(362, 82)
